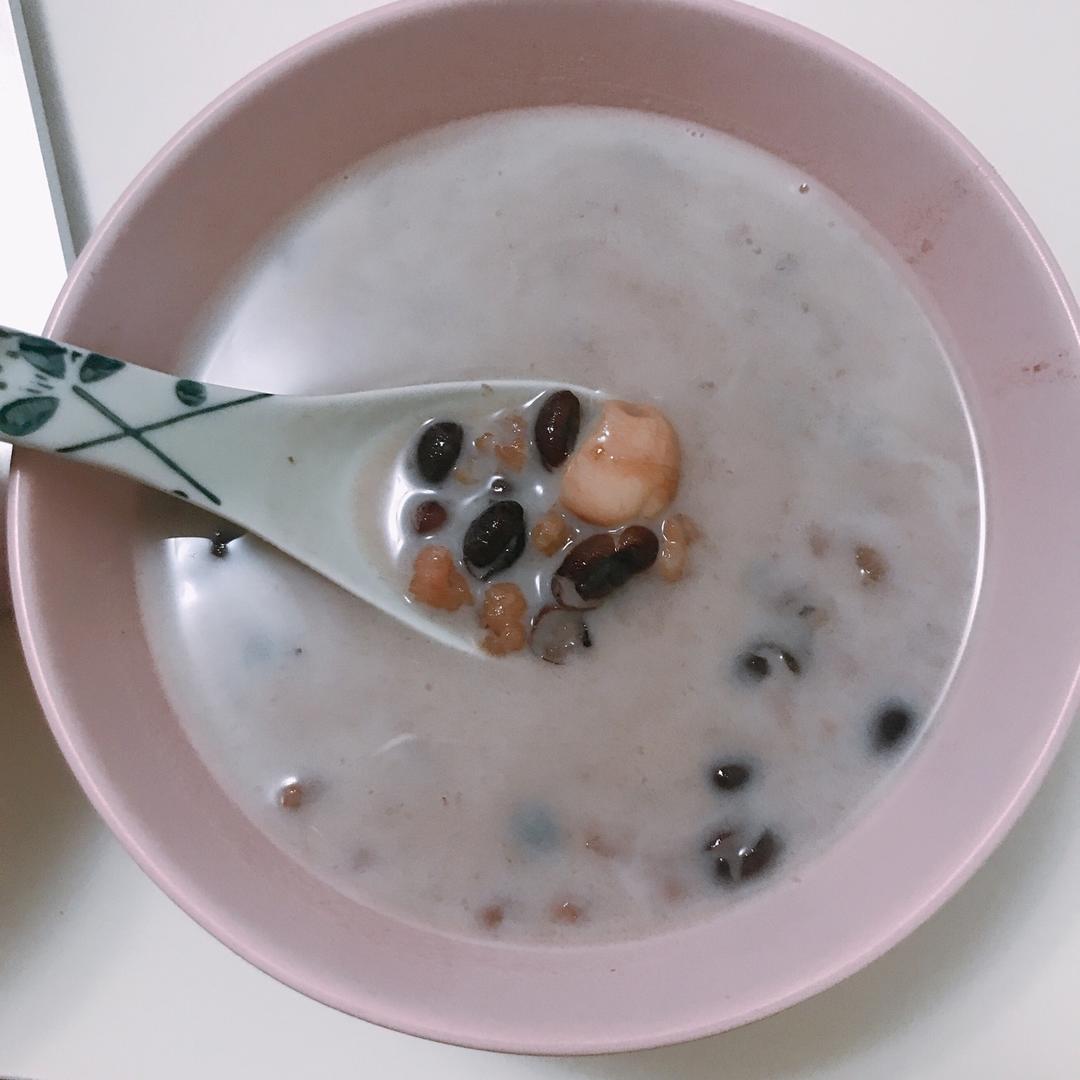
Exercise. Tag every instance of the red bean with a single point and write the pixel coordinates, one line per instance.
(557, 426)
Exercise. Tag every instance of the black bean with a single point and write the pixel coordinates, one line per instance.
(585, 554)
(638, 547)
(759, 856)
(735, 860)
(429, 517)
(495, 540)
(500, 486)
(557, 426)
(731, 776)
(587, 567)
(891, 726)
(597, 565)
(603, 578)
(754, 667)
(438, 450)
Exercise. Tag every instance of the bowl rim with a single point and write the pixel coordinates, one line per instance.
(141, 189)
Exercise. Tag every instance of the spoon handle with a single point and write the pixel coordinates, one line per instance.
(119, 416)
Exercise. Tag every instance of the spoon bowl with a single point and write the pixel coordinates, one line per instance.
(298, 471)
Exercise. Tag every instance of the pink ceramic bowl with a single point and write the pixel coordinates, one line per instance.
(171, 244)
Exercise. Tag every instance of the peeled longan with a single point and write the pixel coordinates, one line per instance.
(626, 467)
(678, 532)
(503, 616)
(550, 533)
(436, 580)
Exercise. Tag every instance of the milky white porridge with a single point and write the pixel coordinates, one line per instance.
(756, 703)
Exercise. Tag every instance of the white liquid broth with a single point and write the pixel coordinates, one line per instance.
(818, 414)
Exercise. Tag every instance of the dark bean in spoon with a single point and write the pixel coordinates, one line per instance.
(891, 726)
(588, 569)
(603, 578)
(495, 539)
(557, 426)
(500, 486)
(596, 566)
(438, 450)
(586, 554)
(637, 547)
(731, 776)
(429, 517)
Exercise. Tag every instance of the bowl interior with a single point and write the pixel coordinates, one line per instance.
(192, 218)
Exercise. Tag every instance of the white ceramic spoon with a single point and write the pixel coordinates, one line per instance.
(304, 473)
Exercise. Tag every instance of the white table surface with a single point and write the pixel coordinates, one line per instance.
(102, 977)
